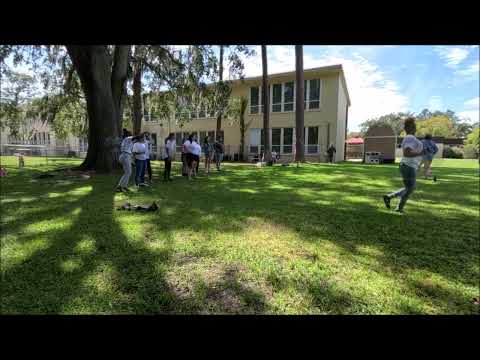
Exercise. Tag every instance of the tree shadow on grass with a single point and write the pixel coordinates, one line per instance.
(91, 267)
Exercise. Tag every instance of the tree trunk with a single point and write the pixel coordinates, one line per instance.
(242, 141)
(266, 106)
(104, 87)
(137, 99)
(137, 90)
(220, 80)
(299, 103)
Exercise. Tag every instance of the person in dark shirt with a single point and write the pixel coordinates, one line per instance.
(331, 153)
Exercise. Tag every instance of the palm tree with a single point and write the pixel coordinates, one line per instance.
(220, 83)
(266, 107)
(299, 101)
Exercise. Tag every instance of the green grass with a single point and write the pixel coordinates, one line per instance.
(283, 240)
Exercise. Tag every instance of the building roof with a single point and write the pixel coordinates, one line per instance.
(355, 141)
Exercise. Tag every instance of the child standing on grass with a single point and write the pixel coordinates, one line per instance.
(412, 155)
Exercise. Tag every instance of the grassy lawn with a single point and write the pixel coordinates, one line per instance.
(283, 240)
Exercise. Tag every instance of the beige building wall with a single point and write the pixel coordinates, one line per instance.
(341, 122)
(330, 117)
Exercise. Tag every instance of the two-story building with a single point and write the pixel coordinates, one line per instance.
(326, 116)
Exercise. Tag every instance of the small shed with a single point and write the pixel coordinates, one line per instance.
(354, 148)
(381, 139)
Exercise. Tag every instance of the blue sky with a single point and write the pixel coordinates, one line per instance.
(385, 79)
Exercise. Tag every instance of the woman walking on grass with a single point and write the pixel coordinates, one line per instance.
(208, 151)
(412, 155)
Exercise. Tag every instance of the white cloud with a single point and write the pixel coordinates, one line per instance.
(471, 71)
(372, 94)
(472, 115)
(472, 103)
(452, 55)
(435, 103)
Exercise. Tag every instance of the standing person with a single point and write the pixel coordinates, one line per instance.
(218, 148)
(412, 155)
(184, 158)
(331, 153)
(170, 147)
(148, 166)
(431, 150)
(125, 159)
(193, 156)
(274, 157)
(139, 150)
(208, 151)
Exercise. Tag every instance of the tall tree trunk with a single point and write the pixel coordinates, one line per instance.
(220, 80)
(137, 91)
(103, 83)
(137, 100)
(266, 106)
(299, 101)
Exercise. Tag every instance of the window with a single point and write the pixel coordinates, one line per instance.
(262, 138)
(210, 113)
(287, 140)
(211, 135)
(312, 142)
(83, 144)
(288, 96)
(255, 139)
(153, 143)
(277, 98)
(201, 113)
(254, 100)
(305, 94)
(221, 135)
(276, 137)
(178, 140)
(203, 134)
(314, 94)
(193, 114)
(48, 137)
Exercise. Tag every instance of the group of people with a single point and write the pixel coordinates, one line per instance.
(136, 149)
(415, 153)
(191, 152)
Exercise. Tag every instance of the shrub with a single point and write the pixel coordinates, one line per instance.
(452, 152)
(470, 152)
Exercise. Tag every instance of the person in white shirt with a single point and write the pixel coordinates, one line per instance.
(139, 150)
(412, 156)
(193, 155)
(125, 160)
(170, 147)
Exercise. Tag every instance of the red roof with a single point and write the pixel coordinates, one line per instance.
(355, 141)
